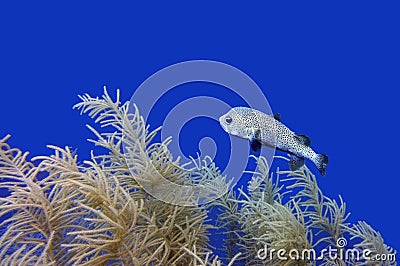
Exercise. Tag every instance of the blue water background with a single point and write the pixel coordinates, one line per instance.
(330, 68)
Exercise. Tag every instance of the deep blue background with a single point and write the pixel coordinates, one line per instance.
(330, 68)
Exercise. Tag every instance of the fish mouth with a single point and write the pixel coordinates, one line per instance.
(221, 122)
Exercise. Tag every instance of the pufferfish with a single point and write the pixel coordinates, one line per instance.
(262, 129)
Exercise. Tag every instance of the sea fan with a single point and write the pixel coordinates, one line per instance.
(263, 221)
(60, 211)
(96, 212)
(297, 218)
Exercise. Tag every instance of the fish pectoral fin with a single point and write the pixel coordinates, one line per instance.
(303, 139)
(277, 117)
(255, 145)
(254, 139)
(257, 133)
(295, 162)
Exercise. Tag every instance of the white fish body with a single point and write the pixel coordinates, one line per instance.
(262, 129)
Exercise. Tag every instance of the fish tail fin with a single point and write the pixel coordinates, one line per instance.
(321, 161)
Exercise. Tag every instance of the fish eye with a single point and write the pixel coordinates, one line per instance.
(228, 119)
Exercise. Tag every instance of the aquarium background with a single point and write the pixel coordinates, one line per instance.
(330, 69)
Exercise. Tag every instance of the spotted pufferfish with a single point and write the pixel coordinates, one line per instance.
(262, 129)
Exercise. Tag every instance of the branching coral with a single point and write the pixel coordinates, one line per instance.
(372, 241)
(264, 222)
(301, 220)
(327, 218)
(97, 213)
(61, 212)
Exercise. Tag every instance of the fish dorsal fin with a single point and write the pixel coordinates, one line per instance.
(295, 162)
(277, 117)
(303, 139)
